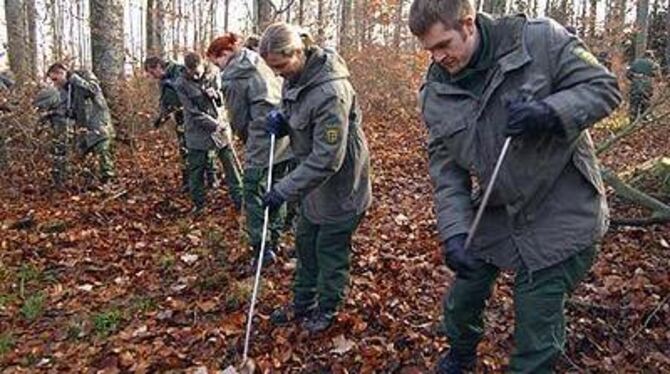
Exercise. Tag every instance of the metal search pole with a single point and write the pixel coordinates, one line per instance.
(266, 219)
(487, 193)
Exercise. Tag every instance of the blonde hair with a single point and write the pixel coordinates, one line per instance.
(284, 39)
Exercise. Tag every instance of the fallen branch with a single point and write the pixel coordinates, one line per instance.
(646, 321)
(659, 209)
(637, 222)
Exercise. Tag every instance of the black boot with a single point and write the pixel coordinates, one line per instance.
(291, 312)
(456, 363)
(321, 320)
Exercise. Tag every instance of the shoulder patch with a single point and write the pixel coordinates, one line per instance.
(585, 56)
(332, 135)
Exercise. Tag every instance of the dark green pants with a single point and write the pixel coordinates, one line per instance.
(255, 185)
(323, 251)
(59, 153)
(104, 150)
(197, 164)
(539, 331)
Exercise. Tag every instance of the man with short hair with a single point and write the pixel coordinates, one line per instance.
(167, 72)
(86, 104)
(533, 81)
(199, 91)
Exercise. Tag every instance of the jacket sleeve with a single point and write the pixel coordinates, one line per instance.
(197, 116)
(90, 88)
(452, 190)
(584, 90)
(329, 145)
(237, 105)
(169, 100)
(263, 97)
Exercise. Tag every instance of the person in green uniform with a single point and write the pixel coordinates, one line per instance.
(166, 73)
(641, 72)
(52, 108)
(199, 91)
(320, 114)
(251, 90)
(533, 81)
(86, 104)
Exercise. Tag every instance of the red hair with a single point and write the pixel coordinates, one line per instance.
(228, 42)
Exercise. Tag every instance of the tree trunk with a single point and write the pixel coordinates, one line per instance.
(19, 59)
(149, 27)
(56, 26)
(226, 13)
(301, 11)
(31, 19)
(641, 27)
(155, 24)
(344, 24)
(264, 14)
(399, 25)
(320, 24)
(592, 18)
(107, 50)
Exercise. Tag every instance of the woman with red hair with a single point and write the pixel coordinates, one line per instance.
(251, 90)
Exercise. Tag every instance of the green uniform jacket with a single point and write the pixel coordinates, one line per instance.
(203, 128)
(548, 202)
(87, 105)
(251, 90)
(326, 136)
(169, 100)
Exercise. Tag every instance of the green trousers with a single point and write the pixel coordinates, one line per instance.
(539, 331)
(104, 150)
(255, 186)
(322, 272)
(197, 165)
(60, 142)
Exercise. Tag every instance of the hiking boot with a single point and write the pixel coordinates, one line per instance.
(290, 313)
(269, 257)
(319, 321)
(455, 363)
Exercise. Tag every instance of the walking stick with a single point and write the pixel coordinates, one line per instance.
(254, 294)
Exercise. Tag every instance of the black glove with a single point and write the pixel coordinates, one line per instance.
(531, 117)
(277, 123)
(457, 257)
(272, 200)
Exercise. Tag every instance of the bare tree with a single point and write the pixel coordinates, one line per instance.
(345, 21)
(320, 22)
(31, 22)
(19, 60)
(264, 14)
(641, 27)
(107, 43)
(667, 43)
(226, 13)
(399, 24)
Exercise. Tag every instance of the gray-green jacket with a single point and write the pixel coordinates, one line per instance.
(548, 202)
(204, 129)
(327, 138)
(169, 100)
(52, 105)
(87, 105)
(251, 90)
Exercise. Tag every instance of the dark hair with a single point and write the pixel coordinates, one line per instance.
(423, 14)
(152, 62)
(56, 66)
(192, 60)
(252, 42)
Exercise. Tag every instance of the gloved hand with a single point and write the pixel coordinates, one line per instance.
(457, 257)
(531, 117)
(277, 123)
(272, 200)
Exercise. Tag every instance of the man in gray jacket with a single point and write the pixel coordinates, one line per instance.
(531, 80)
(86, 104)
(199, 92)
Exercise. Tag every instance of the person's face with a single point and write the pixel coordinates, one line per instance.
(223, 60)
(198, 71)
(58, 77)
(288, 67)
(452, 49)
(156, 72)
